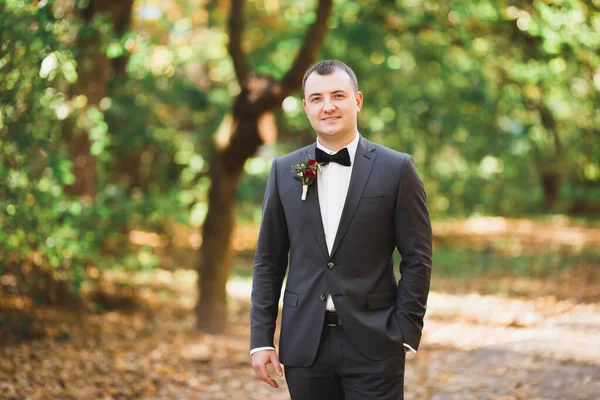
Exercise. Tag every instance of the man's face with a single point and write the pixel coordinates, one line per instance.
(332, 106)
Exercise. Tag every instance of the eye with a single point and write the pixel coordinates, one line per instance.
(339, 96)
(315, 99)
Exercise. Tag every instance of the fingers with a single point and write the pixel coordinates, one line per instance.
(276, 364)
(259, 364)
(263, 375)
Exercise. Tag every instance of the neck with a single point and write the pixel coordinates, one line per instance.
(335, 145)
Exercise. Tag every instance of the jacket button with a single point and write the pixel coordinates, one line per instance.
(323, 297)
(330, 265)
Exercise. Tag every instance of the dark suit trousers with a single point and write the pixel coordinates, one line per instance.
(341, 372)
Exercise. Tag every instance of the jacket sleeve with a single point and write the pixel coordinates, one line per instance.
(270, 265)
(414, 242)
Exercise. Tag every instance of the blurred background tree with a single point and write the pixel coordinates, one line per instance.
(249, 124)
(124, 126)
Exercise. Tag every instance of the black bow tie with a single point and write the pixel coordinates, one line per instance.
(342, 157)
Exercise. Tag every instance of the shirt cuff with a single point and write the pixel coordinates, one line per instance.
(410, 348)
(262, 348)
(273, 348)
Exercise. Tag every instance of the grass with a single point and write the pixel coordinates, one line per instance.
(491, 271)
(467, 263)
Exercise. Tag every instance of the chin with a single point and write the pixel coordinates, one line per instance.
(330, 133)
(331, 130)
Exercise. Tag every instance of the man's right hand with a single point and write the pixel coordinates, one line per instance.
(260, 359)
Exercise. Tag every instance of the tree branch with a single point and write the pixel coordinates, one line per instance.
(236, 27)
(551, 125)
(312, 43)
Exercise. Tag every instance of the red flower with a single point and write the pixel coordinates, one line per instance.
(306, 172)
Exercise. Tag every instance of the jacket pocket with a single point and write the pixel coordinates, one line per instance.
(290, 299)
(381, 300)
(373, 199)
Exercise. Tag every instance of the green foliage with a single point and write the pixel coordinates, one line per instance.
(44, 228)
(497, 101)
(489, 97)
(32, 162)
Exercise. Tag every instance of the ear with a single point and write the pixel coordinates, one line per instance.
(359, 101)
(304, 104)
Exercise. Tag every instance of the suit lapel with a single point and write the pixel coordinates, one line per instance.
(312, 207)
(363, 163)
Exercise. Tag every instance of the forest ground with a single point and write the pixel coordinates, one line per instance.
(487, 335)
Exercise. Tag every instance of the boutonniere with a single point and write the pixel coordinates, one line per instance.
(306, 172)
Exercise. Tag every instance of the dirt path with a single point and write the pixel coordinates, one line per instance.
(542, 345)
(474, 347)
(489, 347)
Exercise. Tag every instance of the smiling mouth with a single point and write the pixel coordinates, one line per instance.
(330, 119)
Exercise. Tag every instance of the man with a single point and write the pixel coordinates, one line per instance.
(346, 323)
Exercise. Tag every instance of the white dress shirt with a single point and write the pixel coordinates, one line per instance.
(333, 181)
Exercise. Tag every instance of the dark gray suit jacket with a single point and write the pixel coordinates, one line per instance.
(385, 208)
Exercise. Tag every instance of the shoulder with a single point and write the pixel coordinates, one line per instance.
(293, 157)
(389, 162)
(389, 155)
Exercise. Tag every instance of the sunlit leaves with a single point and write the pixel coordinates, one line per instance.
(477, 92)
(41, 223)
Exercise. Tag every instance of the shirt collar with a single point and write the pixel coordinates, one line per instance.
(352, 146)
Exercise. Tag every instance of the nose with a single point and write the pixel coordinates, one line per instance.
(328, 106)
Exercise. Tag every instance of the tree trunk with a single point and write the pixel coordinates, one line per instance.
(258, 96)
(550, 174)
(226, 171)
(550, 181)
(211, 309)
(94, 70)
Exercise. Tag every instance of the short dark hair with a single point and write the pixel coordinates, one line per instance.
(327, 67)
